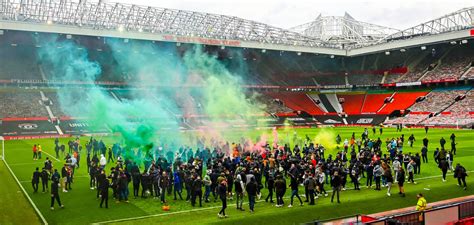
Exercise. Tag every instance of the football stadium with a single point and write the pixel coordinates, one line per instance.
(114, 113)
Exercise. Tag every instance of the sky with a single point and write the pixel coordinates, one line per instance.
(399, 14)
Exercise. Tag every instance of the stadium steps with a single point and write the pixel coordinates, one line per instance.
(334, 101)
(114, 95)
(414, 64)
(439, 62)
(43, 76)
(466, 73)
(50, 113)
(326, 103)
(363, 102)
(385, 104)
(424, 75)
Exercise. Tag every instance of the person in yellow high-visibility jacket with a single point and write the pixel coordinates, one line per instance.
(420, 206)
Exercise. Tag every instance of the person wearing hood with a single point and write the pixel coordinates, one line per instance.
(239, 191)
(252, 193)
(103, 161)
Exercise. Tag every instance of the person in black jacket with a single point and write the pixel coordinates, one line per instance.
(35, 180)
(442, 142)
(370, 174)
(336, 185)
(401, 180)
(104, 193)
(443, 165)
(252, 192)
(197, 191)
(424, 154)
(270, 186)
(55, 194)
(144, 180)
(222, 192)
(135, 179)
(280, 189)
(99, 180)
(93, 170)
(44, 179)
(460, 173)
(294, 191)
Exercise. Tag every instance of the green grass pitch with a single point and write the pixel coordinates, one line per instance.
(82, 207)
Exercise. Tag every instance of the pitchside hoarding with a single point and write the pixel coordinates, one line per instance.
(27, 128)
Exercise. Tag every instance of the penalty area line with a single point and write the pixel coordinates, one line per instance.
(52, 156)
(214, 207)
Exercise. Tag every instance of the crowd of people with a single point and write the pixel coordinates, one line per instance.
(232, 171)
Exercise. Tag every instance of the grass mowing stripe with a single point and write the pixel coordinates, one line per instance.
(84, 200)
(26, 194)
(216, 207)
(23, 164)
(24, 181)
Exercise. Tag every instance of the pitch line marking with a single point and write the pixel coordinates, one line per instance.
(26, 194)
(215, 207)
(52, 156)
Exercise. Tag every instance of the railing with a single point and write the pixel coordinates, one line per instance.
(442, 215)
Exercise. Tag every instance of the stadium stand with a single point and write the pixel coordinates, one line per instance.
(401, 101)
(373, 102)
(465, 105)
(365, 79)
(273, 105)
(452, 67)
(408, 119)
(20, 103)
(297, 101)
(352, 103)
(331, 79)
(18, 63)
(459, 113)
(436, 101)
(428, 62)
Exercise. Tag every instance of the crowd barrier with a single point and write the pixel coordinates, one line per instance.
(459, 213)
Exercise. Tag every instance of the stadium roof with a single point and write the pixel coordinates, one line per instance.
(344, 31)
(326, 35)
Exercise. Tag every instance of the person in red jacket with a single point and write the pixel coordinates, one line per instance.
(35, 152)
